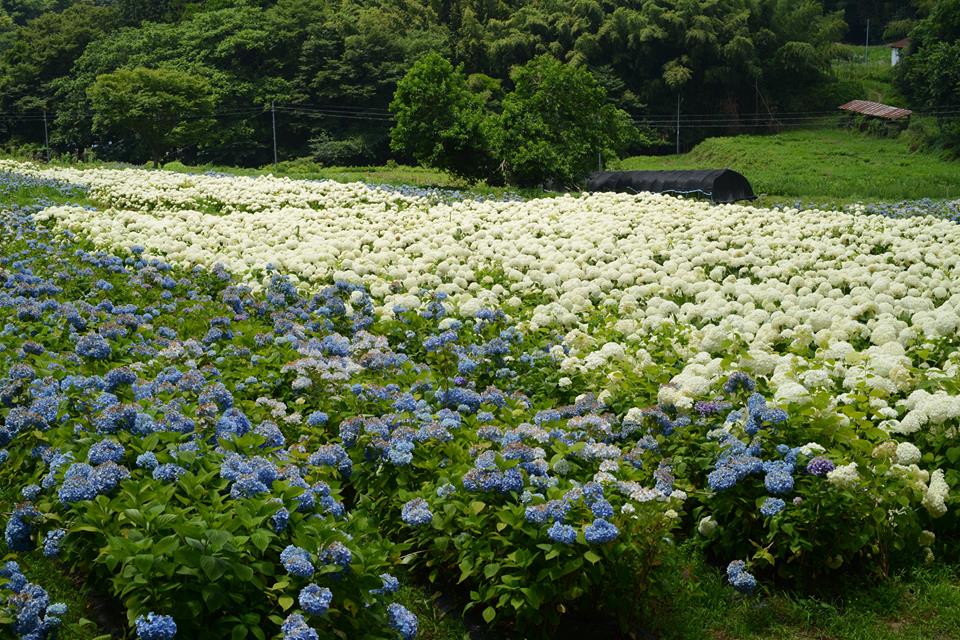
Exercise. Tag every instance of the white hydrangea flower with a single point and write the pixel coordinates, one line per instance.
(844, 476)
(935, 498)
(907, 453)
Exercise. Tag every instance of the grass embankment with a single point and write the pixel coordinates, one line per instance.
(822, 165)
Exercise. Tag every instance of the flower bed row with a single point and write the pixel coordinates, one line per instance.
(268, 463)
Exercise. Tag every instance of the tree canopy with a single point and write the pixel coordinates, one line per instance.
(930, 74)
(159, 108)
(439, 121)
(332, 66)
(556, 124)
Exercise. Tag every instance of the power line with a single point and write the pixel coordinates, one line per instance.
(377, 114)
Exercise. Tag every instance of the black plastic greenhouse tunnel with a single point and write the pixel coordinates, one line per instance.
(719, 185)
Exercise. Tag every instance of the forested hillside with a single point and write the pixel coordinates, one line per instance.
(330, 67)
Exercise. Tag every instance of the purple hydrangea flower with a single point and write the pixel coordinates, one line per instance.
(820, 466)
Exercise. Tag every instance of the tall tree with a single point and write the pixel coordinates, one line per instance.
(160, 108)
(555, 124)
(439, 121)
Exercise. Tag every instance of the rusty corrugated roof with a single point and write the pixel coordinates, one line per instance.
(903, 43)
(868, 108)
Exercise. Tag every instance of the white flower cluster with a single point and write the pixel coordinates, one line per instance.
(812, 300)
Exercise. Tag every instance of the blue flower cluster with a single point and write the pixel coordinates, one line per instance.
(93, 346)
(416, 513)
(601, 532)
(296, 628)
(740, 578)
(336, 553)
(155, 627)
(20, 527)
(35, 617)
(390, 585)
(315, 600)
(296, 561)
(52, 542)
(84, 482)
(771, 507)
(402, 620)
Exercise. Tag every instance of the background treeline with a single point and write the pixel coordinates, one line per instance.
(331, 66)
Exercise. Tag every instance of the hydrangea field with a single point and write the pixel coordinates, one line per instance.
(253, 407)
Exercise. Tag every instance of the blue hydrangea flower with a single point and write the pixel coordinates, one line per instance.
(232, 423)
(402, 620)
(296, 628)
(19, 527)
(446, 490)
(119, 377)
(601, 532)
(416, 513)
(296, 561)
(771, 507)
(317, 419)
(93, 346)
(739, 380)
(155, 627)
(562, 533)
(778, 479)
(602, 509)
(400, 452)
(271, 433)
(280, 519)
(336, 553)
(147, 460)
(168, 472)
(739, 578)
(315, 600)
(390, 585)
(52, 541)
(106, 451)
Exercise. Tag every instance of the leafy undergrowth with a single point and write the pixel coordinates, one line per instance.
(923, 604)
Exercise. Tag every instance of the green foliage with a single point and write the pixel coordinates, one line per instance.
(555, 124)
(190, 548)
(161, 108)
(328, 151)
(439, 121)
(931, 77)
(930, 74)
(44, 50)
(552, 127)
(340, 63)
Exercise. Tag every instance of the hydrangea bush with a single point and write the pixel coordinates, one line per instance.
(290, 396)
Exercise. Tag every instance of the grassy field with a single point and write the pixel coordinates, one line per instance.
(822, 165)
